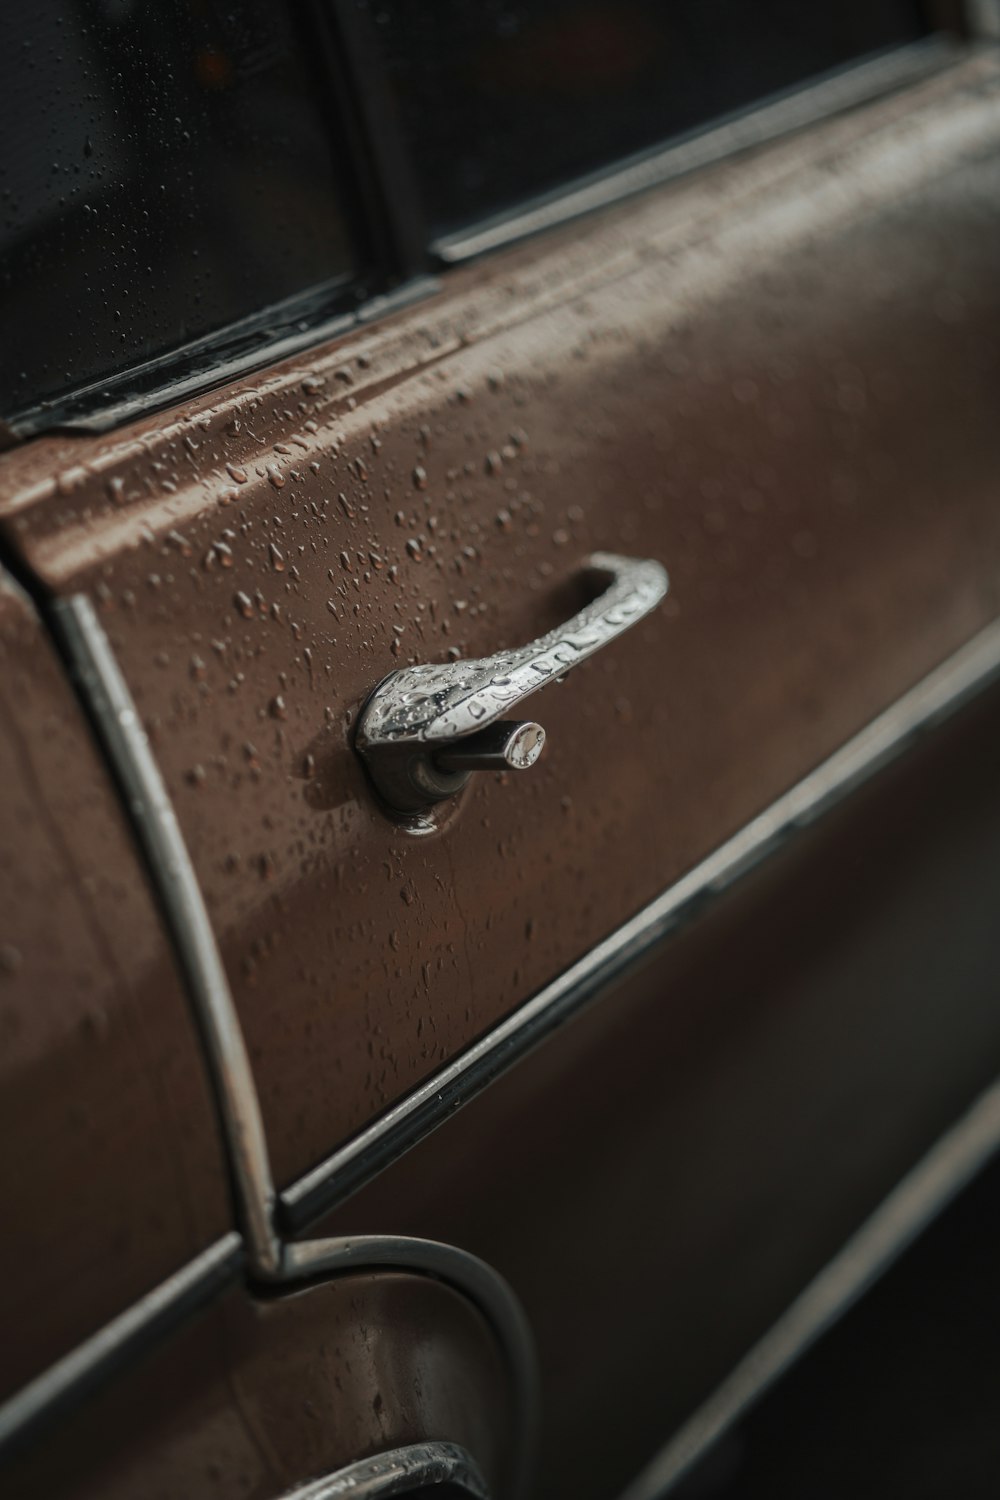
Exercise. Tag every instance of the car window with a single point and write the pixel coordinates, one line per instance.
(186, 184)
(506, 99)
(168, 168)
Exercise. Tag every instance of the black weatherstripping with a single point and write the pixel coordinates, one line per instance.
(193, 189)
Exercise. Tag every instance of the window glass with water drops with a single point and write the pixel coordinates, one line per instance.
(503, 100)
(167, 169)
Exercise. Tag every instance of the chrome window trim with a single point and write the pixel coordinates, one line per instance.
(397, 1472)
(952, 1162)
(804, 105)
(71, 413)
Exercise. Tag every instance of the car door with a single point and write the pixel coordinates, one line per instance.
(693, 378)
(771, 374)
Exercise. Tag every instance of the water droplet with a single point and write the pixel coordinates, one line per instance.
(182, 544)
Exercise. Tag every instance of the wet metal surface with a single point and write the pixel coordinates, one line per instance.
(780, 377)
(664, 1178)
(111, 1174)
(256, 1398)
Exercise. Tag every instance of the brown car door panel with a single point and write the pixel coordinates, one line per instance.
(778, 379)
(111, 1174)
(662, 1179)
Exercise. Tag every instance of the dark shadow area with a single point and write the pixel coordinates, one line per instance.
(901, 1397)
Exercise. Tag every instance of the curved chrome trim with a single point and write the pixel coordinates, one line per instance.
(476, 1280)
(805, 105)
(921, 1196)
(398, 1473)
(970, 669)
(169, 865)
(90, 1362)
(117, 722)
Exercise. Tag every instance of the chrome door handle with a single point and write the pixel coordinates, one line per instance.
(425, 729)
(400, 1475)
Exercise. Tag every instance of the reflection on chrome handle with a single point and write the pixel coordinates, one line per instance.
(403, 1472)
(425, 729)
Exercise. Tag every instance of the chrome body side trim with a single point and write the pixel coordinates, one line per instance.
(127, 749)
(923, 1193)
(92, 1361)
(400, 1472)
(803, 106)
(970, 670)
(466, 1273)
(117, 723)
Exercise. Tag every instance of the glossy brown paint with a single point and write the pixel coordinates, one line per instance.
(662, 1178)
(111, 1177)
(779, 378)
(258, 1397)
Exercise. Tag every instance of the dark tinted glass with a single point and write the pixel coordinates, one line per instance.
(166, 169)
(501, 100)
